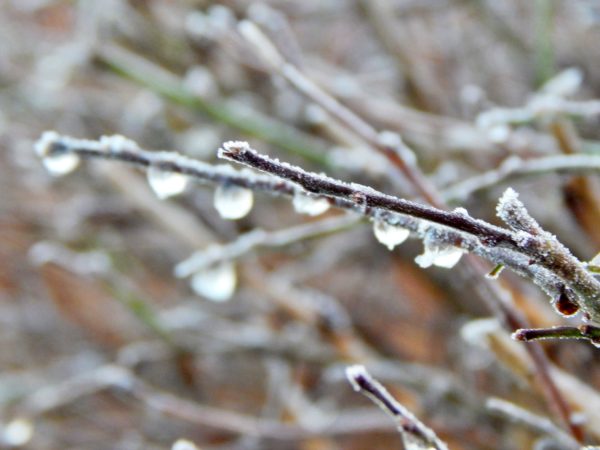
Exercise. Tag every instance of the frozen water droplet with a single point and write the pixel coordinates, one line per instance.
(17, 433)
(166, 184)
(233, 202)
(303, 204)
(410, 443)
(216, 283)
(61, 163)
(389, 235)
(565, 306)
(183, 444)
(446, 257)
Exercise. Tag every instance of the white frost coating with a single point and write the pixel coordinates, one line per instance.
(389, 235)
(183, 444)
(16, 433)
(216, 283)
(312, 206)
(166, 184)
(508, 202)
(461, 210)
(354, 372)
(263, 45)
(44, 143)
(118, 144)
(440, 256)
(233, 146)
(233, 202)
(512, 211)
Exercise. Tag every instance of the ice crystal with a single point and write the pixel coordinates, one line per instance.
(512, 211)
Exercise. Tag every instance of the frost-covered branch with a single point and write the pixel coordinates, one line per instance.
(365, 197)
(414, 433)
(587, 332)
(515, 167)
(61, 154)
(526, 237)
(526, 248)
(542, 424)
(401, 158)
(260, 238)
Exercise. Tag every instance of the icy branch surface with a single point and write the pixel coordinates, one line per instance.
(525, 248)
(551, 264)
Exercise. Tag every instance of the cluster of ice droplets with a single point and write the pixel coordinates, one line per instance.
(446, 256)
(312, 206)
(166, 184)
(56, 163)
(233, 202)
(389, 235)
(216, 283)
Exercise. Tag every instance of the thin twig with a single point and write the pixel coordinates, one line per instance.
(111, 376)
(261, 238)
(534, 421)
(515, 167)
(414, 433)
(458, 230)
(587, 332)
(401, 158)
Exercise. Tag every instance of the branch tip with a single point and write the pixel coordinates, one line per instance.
(233, 148)
(358, 376)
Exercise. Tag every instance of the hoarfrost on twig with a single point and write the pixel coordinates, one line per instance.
(415, 434)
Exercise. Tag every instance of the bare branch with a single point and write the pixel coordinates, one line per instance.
(587, 332)
(260, 238)
(539, 423)
(414, 433)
